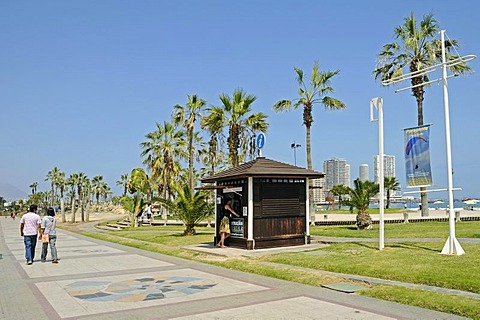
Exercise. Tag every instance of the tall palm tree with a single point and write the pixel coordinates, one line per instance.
(316, 91)
(96, 182)
(72, 182)
(104, 191)
(162, 150)
(123, 183)
(360, 199)
(60, 186)
(52, 175)
(82, 183)
(33, 186)
(212, 156)
(415, 49)
(236, 115)
(390, 184)
(187, 116)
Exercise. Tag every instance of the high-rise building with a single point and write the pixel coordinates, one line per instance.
(363, 172)
(337, 171)
(318, 190)
(388, 167)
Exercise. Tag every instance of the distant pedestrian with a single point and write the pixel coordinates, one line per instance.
(49, 235)
(29, 229)
(225, 223)
(148, 211)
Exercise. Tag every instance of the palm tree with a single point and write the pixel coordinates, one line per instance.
(360, 199)
(162, 150)
(235, 114)
(138, 185)
(96, 182)
(316, 92)
(390, 184)
(104, 191)
(187, 116)
(33, 186)
(213, 155)
(82, 183)
(60, 186)
(72, 182)
(189, 207)
(52, 176)
(415, 49)
(339, 190)
(123, 182)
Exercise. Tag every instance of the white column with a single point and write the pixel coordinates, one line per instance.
(250, 209)
(452, 246)
(381, 168)
(307, 206)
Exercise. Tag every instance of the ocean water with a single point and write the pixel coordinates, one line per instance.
(414, 205)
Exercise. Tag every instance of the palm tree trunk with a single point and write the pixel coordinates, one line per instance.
(423, 194)
(73, 210)
(418, 92)
(309, 166)
(190, 160)
(62, 208)
(52, 199)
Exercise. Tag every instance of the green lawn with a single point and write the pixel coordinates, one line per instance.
(418, 263)
(412, 262)
(464, 229)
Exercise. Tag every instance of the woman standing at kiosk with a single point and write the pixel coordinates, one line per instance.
(225, 223)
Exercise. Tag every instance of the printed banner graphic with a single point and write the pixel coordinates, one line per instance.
(417, 156)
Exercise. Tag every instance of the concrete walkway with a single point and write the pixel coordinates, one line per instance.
(100, 280)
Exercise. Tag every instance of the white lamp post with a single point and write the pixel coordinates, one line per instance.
(377, 103)
(452, 246)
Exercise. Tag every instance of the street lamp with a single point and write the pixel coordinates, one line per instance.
(294, 146)
(452, 246)
(377, 103)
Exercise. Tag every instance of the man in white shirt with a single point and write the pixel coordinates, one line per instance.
(29, 229)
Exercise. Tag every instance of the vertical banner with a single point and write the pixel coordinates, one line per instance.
(417, 156)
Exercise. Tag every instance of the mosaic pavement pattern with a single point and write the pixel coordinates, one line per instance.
(141, 289)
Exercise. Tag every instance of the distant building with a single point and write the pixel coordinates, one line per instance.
(337, 171)
(388, 167)
(363, 172)
(319, 191)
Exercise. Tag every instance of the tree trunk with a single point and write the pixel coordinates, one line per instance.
(418, 93)
(364, 221)
(423, 195)
(310, 181)
(73, 210)
(190, 160)
(388, 198)
(62, 209)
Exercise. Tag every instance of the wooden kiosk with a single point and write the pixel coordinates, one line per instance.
(272, 200)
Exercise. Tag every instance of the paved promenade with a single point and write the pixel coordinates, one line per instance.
(101, 280)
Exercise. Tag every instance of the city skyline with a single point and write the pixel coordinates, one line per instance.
(83, 83)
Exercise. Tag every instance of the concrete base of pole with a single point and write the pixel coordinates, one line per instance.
(452, 247)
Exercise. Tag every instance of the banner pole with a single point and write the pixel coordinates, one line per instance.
(452, 246)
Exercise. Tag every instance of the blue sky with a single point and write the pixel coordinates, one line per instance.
(82, 82)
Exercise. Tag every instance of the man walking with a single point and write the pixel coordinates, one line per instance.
(29, 228)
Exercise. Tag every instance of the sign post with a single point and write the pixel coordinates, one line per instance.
(260, 142)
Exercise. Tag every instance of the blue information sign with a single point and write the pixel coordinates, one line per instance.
(260, 141)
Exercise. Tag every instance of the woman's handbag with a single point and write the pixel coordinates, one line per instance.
(45, 238)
